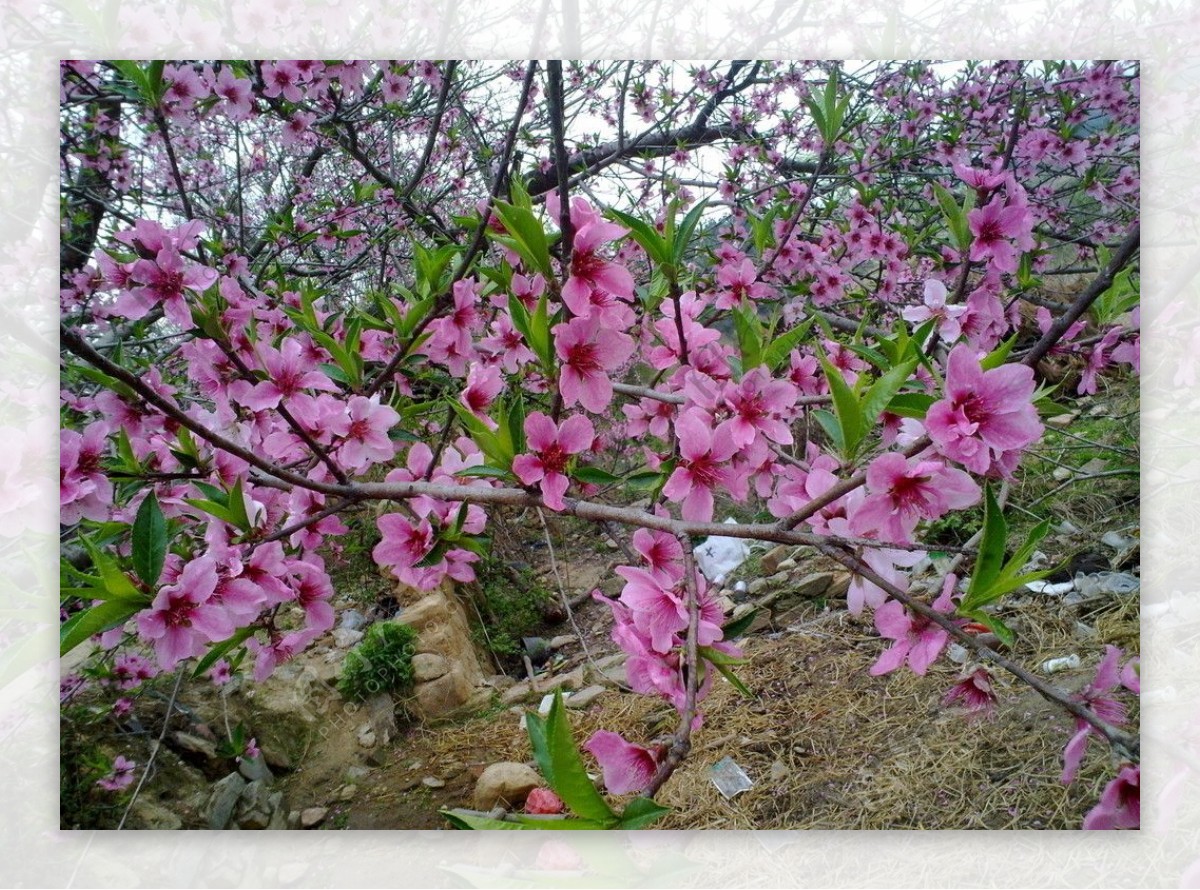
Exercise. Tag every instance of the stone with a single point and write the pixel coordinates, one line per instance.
(585, 697)
(279, 813)
(357, 773)
(500, 682)
(348, 793)
(276, 758)
(224, 798)
(811, 586)
(256, 806)
(727, 605)
(562, 640)
(433, 782)
(451, 694)
(517, 693)
(773, 557)
(200, 748)
(255, 769)
(787, 565)
(838, 586)
(758, 585)
(779, 771)
(506, 784)
(313, 816)
(147, 815)
(570, 680)
(381, 710)
(353, 620)
(366, 736)
(344, 637)
(428, 666)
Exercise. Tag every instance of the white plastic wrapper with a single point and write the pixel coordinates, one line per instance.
(718, 556)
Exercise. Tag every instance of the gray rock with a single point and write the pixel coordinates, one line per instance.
(353, 620)
(194, 744)
(585, 697)
(773, 557)
(562, 640)
(348, 793)
(504, 783)
(256, 806)
(381, 710)
(517, 693)
(313, 816)
(366, 736)
(344, 637)
(255, 769)
(428, 666)
(757, 586)
(433, 782)
(279, 813)
(787, 565)
(147, 815)
(813, 585)
(357, 773)
(223, 799)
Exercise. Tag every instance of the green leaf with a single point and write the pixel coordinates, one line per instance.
(882, 391)
(748, 328)
(956, 218)
(911, 404)
(647, 236)
(562, 765)
(640, 812)
(485, 471)
(832, 428)
(717, 657)
(594, 475)
(684, 234)
(991, 549)
(149, 547)
(116, 583)
(220, 511)
(471, 821)
(995, 625)
(474, 820)
(218, 651)
(97, 619)
(780, 347)
(999, 355)
(729, 675)
(849, 411)
(738, 626)
(527, 235)
(644, 480)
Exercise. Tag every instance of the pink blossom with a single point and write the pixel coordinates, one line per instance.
(181, 621)
(280, 649)
(120, 776)
(483, 385)
(290, 371)
(656, 610)
(702, 469)
(994, 226)
(403, 544)
(1097, 696)
(163, 281)
(363, 429)
(759, 405)
(236, 93)
(974, 692)
(918, 640)
(740, 283)
(662, 551)
(949, 327)
(84, 489)
(550, 450)
(902, 492)
(543, 801)
(588, 352)
(985, 413)
(627, 767)
(1120, 804)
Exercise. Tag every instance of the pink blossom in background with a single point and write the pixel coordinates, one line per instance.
(363, 428)
(550, 449)
(121, 775)
(627, 767)
(84, 490)
(949, 327)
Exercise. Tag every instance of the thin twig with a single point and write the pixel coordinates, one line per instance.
(154, 751)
